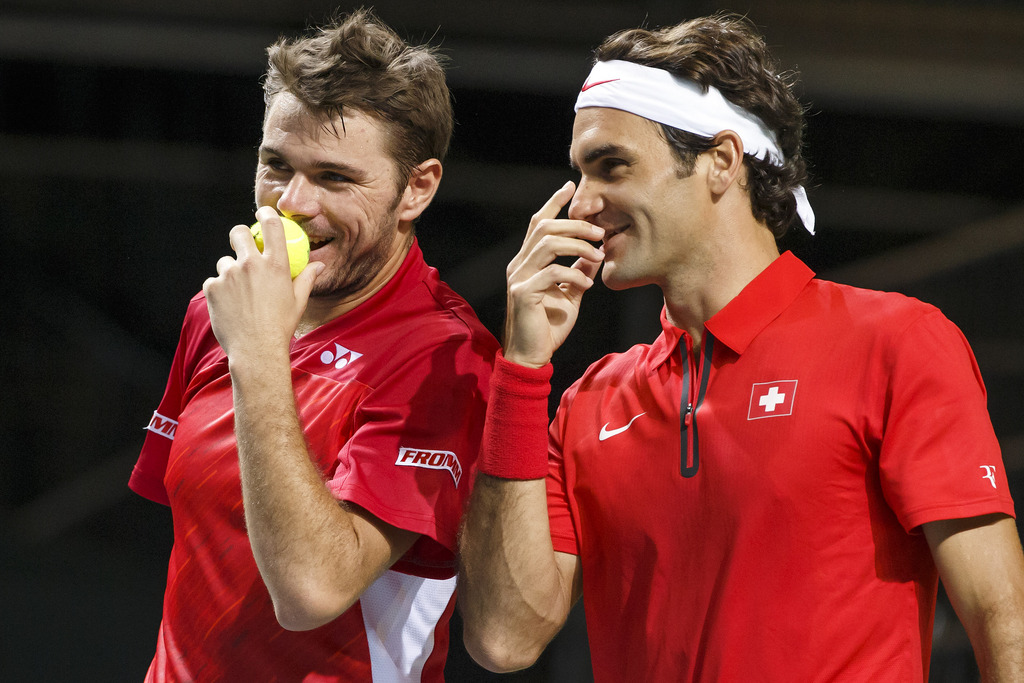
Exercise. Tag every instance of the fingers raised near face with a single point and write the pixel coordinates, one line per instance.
(547, 247)
(589, 267)
(242, 241)
(546, 220)
(543, 294)
(223, 263)
(303, 283)
(274, 241)
(572, 281)
(549, 237)
(555, 204)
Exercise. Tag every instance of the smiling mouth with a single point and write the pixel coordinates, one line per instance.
(315, 244)
(612, 233)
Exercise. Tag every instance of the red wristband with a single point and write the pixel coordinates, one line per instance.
(515, 439)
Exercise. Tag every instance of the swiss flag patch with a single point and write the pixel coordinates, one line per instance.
(772, 399)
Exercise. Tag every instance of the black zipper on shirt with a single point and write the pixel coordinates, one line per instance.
(688, 410)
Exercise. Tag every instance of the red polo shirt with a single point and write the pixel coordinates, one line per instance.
(391, 398)
(750, 513)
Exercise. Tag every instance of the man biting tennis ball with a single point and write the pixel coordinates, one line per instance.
(295, 239)
(314, 432)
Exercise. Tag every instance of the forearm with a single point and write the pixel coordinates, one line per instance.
(982, 568)
(994, 620)
(316, 557)
(513, 596)
(999, 644)
(515, 591)
(307, 547)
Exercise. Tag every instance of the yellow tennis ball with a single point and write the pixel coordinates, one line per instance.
(298, 243)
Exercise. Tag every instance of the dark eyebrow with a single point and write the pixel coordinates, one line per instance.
(322, 165)
(268, 150)
(610, 149)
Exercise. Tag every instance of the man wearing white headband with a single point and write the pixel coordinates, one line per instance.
(771, 490)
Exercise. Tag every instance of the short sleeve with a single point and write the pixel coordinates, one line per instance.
(147, 478)
(416, 438)
(939, 457)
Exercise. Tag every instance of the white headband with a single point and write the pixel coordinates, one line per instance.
(665, 98)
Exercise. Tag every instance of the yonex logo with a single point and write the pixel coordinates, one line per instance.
(340, 356)
(164, 426)
(431, 460)
(772, 399)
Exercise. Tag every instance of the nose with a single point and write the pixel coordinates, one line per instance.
(300, 198)
(587, 201)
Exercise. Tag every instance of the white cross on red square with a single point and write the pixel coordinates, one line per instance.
(772, 399)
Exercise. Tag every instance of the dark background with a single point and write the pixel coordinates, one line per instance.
(127, 137)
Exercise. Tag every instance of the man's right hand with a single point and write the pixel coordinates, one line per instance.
(544, 296)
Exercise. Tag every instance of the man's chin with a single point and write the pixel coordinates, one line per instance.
(331, 289)
(617, 279)
(613, 279)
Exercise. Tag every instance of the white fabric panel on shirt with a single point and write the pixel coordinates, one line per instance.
(400, 613)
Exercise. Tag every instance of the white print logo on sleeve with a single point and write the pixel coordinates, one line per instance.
(340, 356)
(990, 473)
(164, 426)
(431, 460)
(608, 433)
(772, 399)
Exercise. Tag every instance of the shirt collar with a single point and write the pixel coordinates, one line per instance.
(749, 312)
(412, 271)
(666, 343)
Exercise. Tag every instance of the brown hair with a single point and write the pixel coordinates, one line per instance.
(726, 52)
(359, 63)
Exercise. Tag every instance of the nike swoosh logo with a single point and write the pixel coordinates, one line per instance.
(588, 86)
(608, 433)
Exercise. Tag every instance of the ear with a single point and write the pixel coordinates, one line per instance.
(726, 161)
(420, 190)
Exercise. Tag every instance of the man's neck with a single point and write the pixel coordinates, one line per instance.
(320, 310)
(694, 295)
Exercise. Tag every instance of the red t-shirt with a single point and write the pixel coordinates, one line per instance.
(391, 398)
(752, 514)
